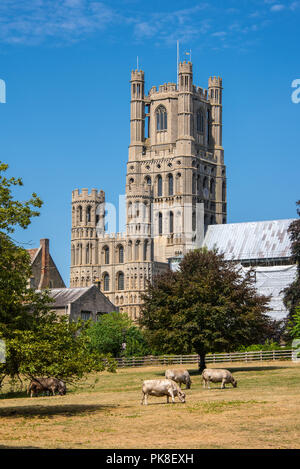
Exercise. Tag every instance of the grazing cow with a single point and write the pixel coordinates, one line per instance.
(161, 387)
(218, 376)
(53, 385)
(179, 376)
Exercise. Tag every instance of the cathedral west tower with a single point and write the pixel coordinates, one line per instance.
(175, 188)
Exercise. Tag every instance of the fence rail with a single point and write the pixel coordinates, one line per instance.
(210, 358)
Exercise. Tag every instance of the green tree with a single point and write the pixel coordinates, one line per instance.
(54, 347)
(112, 330)
(37, 342)
(13, 212)
(294, 324)
(292, 292)
(18, 304)
(207, 306)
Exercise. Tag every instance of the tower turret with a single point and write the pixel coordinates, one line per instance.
(137, 114)
(87, 223)
(185, 108)
(215, 98)
(215, 144)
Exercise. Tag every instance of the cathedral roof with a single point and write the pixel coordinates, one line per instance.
(250, 240)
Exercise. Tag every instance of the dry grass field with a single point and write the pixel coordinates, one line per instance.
(262, 412)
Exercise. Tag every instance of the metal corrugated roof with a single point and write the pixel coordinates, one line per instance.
(251, 240)
(270, 281)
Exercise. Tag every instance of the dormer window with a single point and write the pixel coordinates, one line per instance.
(161, 118)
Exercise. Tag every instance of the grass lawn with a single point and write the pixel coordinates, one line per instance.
(262, 412)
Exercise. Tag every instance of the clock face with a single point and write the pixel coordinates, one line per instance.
(205, 193)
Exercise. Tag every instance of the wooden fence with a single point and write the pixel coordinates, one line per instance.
(167, 360)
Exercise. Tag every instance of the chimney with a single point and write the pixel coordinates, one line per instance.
(45, 265)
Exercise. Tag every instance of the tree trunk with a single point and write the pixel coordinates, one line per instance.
(202, 364)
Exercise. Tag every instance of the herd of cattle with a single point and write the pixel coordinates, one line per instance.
(170, 386)
(46, 385)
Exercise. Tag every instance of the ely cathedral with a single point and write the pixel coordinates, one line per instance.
(175, 188)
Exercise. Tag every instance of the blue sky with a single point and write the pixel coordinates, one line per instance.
(65, 125)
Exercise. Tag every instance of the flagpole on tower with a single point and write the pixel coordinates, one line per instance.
(137, 62)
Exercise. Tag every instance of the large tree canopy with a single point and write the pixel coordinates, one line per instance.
(208, 305)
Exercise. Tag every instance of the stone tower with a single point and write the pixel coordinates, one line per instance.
(175, 188)
(87, 227)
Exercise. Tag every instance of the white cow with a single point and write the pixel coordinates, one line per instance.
(218, 376)
(161, 387)
(180, 376)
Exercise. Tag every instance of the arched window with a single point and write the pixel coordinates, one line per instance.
(145, 250)
(80, 213)
(223, 192)
(145, 211)
(106, 255)
(160, 225)
(137, 209)
(200, 122)
(121, 254)
(171, 222)
(159, 186)
(130, 250)
(88, 214)
(130, 210)
(170, 184)
(208, 126)
(148, 180)
(79, 254)
(120, 281)
(161, 118)
(137, 250)
(178, 183)
(105, 282)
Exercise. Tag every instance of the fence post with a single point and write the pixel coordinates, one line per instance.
(246, 356)
(273, 354)
(261, 356)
